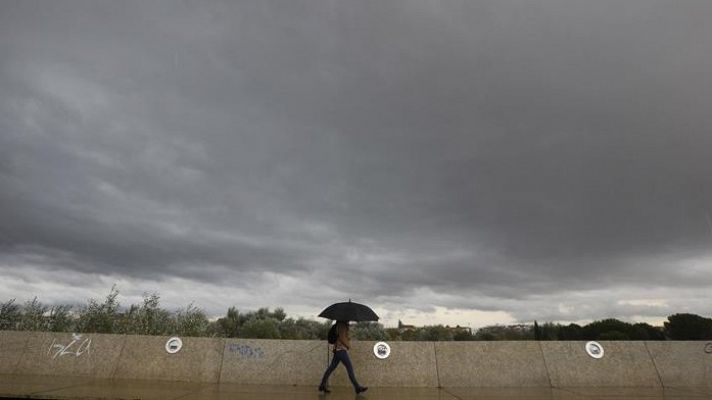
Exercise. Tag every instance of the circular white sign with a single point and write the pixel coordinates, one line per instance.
(382, 350)
(594, 349)
(173, 345)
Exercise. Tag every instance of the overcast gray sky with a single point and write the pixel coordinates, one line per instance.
(457, 162)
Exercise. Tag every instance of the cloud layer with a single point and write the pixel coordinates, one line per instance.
(547, 160)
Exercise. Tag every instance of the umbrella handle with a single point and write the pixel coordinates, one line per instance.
(327, 362)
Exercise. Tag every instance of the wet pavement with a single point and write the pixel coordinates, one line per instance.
(53, 387)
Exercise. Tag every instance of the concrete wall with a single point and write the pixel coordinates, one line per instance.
(12, 347)
(420, 364)
(145, 357)
(682, 363)
(491, 364)
(258, 361)
(625, 364)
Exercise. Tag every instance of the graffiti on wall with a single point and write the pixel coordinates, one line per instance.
(76, 347)
(246, 351)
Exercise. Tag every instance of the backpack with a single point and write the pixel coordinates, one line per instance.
(333, 335)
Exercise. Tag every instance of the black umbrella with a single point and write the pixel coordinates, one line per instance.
(349, 311)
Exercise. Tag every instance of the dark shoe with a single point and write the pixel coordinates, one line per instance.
(324, 389)
(361, 389)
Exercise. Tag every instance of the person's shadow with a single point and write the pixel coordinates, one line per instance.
(360, 396)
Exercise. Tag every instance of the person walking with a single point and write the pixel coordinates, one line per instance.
(342, 345)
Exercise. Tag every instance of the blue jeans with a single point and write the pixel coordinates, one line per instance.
(341, 356)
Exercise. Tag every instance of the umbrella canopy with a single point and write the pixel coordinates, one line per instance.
(349, 311)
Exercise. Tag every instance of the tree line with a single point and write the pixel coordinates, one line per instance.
(149, 318)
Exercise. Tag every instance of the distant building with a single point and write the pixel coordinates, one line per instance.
(405, 328)
(459, 329)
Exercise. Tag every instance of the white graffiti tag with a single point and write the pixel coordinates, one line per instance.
(76, 347)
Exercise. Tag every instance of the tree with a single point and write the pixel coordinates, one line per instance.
(301, 329)
(613, 335)
(9, 315)
(279, 314)
(321, 329)
(289, 330)
(261, 328)
(688, 327)
(463, 336)
(229, 324)
(148, 318)
(409, 335)
(643, 331)
(369, 331)
(59, 318)
(434, 333)
(485, 336)
(191, 321)
(262, 313)
(570, 332)
(607, 329)
(510, 332)
(549, 331)
(33, 316)
(100, 317)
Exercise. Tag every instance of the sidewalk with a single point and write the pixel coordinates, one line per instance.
(53, 387)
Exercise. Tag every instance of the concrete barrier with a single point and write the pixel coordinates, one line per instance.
(145, 357)
(625, 364)
(260, 361)
(409, 364)
(12, 347)
(68, 354)
(682, 364)
(652, 365)
(491, 364)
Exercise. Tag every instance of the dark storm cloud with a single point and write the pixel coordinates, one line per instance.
(489, 150)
